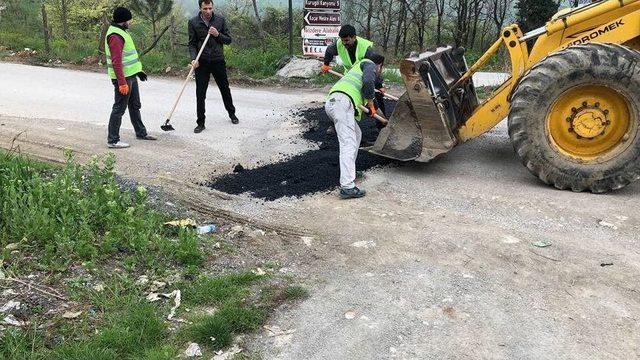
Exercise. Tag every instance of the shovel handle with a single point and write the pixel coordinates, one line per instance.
(378, 91)
(376, 116)
(186, 81)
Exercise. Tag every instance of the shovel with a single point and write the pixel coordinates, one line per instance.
(167, 126)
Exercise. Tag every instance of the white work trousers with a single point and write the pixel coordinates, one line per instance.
(340, 109)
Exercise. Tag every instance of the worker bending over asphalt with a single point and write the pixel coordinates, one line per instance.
(356, 88)
(352, 49)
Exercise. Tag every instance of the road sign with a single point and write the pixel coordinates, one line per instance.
(320, 32)
(322, 4)
(315, 39)
(322, 18)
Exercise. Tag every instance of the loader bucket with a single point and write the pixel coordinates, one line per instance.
(425, 120)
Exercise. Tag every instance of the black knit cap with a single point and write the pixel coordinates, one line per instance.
(347, 30)
(121, 14)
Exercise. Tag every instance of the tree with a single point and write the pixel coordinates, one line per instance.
(533, 14)
(153, 11)
(64, 11)
(499, 10)
(257, 14)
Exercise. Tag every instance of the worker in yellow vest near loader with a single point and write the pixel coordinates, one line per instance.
(356, 88)
(123, 65)
(352, 49)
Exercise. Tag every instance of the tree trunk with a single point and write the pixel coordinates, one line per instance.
(174, 35)
(369, 16)
(155, 42)
(63, 18)
(258, 20)
(399, 28)
(45, 25)
(103, 33)
(153, 26)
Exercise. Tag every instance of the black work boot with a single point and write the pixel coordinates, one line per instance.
(198, 129)
(352, 193)
(234, 119)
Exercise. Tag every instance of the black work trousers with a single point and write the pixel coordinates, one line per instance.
(218, 69)
(120, 105)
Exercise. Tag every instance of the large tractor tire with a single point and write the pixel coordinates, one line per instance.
(574, 118)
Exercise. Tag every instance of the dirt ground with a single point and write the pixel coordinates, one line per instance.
(438, 261)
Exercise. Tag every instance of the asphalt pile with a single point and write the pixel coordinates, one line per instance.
(310, 172)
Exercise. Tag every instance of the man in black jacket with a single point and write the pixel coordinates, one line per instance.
(211, 61)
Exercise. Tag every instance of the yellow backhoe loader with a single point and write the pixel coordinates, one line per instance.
(572, 101)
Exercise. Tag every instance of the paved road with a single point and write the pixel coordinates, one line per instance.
(437, 262)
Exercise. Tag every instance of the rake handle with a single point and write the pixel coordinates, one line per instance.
(186, 81)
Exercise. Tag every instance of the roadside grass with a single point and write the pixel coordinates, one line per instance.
(73, 228)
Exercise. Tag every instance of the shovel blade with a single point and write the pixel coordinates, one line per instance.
(167, 126)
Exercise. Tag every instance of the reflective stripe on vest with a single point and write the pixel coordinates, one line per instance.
(130, 60)
(351, 85)
(361, 50)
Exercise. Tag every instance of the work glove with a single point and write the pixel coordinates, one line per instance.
(123, 89)
(382, 90)
(325, 68)
(142, 76)
(372, 108)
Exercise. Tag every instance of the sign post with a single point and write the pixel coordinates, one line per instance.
(321, 26)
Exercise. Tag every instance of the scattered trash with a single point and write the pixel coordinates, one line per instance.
(259, 272)
(205, 229)
(12, 246)
(177, 298)
(98, 287)
(152, 297)
(11, 305)
(157, 285)
(217, 245)
(257, 233)
(71, 314)
(237, 231)
(508, 239)
(275, 330)
(193, 350)
(8, 292)
(606, 264)
(227, 355)
(607, 224)
(307, 240)
(542, 243)
(143, 279)
(364, 244)
(449, 311)
(181, 223)
(350, 315)
(11, 320)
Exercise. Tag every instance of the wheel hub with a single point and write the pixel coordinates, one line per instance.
(588, 121)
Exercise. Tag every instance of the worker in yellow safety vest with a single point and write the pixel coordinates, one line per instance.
(123, 66)
(355, 89)
(351, 49)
